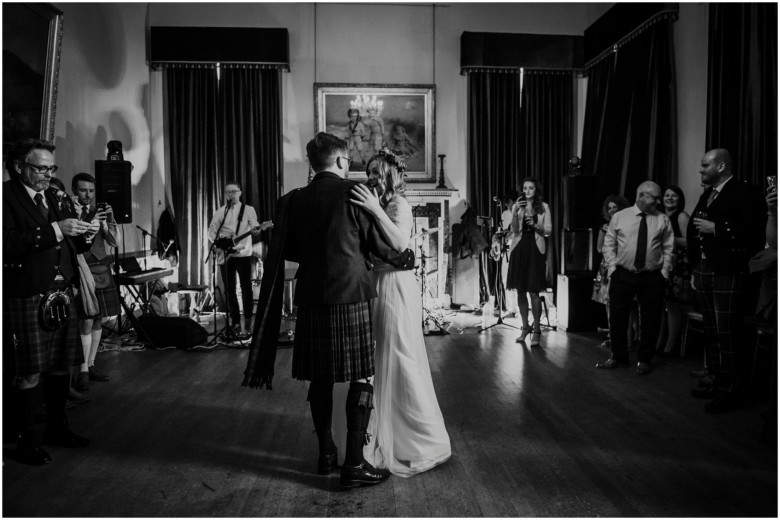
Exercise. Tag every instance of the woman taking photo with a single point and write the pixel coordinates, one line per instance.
(531, 225)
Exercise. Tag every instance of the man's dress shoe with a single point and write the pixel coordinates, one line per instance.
(327, 462)
(612, 363)
(32, 453)
(364, 474)
(643, 368)
(94, 375)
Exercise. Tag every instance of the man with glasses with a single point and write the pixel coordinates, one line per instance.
(41, 238)
(331, 240)
(230, 221)
(638, 254)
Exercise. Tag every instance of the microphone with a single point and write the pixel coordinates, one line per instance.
(143, 230)
(496, 198)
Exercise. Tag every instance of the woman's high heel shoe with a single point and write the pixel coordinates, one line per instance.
(535, 337)
(526, 332)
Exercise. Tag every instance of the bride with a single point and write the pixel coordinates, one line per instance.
(407, 433)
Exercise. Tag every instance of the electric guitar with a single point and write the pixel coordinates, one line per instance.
(226, 245)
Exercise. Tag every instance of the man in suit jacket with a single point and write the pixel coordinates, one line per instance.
(41, 238)
(331, 240)
(727, 229)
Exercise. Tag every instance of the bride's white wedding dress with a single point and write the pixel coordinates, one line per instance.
(407, 429)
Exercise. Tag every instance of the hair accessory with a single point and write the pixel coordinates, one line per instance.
(393, 159)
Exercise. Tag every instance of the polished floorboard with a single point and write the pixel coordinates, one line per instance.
(535, 433)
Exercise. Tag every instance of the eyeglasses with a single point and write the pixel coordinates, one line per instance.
(349, 161)
(231, 192)
(42, 170)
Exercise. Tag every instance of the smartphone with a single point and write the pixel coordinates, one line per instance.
(521, 200)
(101, 206)
(771, 183)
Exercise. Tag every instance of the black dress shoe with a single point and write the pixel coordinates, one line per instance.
(94, 375)
(703, 392)
(364, 474)
(32, 454)
(62, 436)
(612, 363)
(327, 462)
(643, 368)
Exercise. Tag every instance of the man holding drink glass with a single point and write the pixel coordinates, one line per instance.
(726, 230)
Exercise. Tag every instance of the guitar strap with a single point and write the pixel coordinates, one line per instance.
(240, 217)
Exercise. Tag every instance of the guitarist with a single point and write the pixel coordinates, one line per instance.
(232, 220)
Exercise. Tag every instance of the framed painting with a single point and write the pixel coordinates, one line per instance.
(32, 39)
(372, 117)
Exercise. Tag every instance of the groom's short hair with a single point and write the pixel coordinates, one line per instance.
(323, 150)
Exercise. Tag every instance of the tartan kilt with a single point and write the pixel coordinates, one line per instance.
(108, 299)
(35, 349)
(333, 343)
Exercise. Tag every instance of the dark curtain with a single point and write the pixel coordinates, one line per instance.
(250, 134)
(545, 144)
(742, 87)
(630, 132)
(195, 179)
(493, 135)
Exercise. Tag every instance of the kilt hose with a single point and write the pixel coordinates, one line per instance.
(28, 347)
(333, 343)
(721, 297)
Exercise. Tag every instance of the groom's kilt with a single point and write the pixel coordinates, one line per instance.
(28, 347)
(333, 343)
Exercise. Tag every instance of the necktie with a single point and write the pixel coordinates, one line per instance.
(713, 194)
(41, 206)
(641, 243)
(84, 212)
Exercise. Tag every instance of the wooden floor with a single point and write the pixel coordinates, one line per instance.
(535, 432)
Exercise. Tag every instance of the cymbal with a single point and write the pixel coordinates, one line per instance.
(425, 232)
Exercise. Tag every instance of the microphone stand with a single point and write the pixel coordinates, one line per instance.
(227, 332)
(498, 280)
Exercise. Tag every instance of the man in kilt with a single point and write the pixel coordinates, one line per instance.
(331, 240)
(41, 238)
(101, 219)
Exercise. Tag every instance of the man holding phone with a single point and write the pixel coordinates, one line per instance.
(719, 248)
(103, 232)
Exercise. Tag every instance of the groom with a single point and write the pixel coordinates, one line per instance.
(331, 240)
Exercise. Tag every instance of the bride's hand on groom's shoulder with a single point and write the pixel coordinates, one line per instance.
(365, 198)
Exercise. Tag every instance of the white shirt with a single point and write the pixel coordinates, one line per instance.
(620, 241)
(248, 221)
(32, 193)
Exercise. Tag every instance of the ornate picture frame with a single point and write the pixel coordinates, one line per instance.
(375, 116)
(32, 42)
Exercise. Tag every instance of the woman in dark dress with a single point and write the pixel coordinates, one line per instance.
(678, 289)
(531, 225)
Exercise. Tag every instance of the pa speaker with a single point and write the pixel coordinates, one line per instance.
(580, 207)
(576, 311)
(179, 332)
(113, 186)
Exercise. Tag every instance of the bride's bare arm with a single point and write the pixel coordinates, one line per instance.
(368, 200)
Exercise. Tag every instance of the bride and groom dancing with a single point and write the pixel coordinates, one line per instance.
(328, 229)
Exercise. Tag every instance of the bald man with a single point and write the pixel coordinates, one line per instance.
(638, 253)
(727, 229)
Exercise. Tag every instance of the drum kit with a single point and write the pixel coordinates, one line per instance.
(432, 311)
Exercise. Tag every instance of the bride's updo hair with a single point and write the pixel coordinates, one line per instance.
(391, 171)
